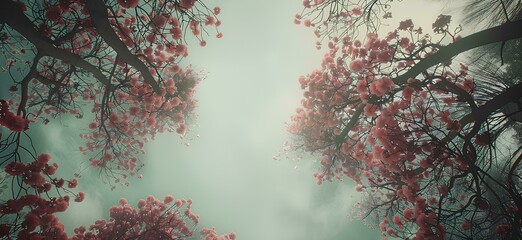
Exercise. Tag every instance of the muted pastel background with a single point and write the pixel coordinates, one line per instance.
(228, 171)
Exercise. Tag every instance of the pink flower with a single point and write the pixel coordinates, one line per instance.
(502, 229)
(408, 213)
(356, 11)
(44, 158)
(4, 230)
(441, 23)
(128, 3)
(407, 93)
(466, 225)
(210, 20)
(141, 203)
(356, 65)
(123, 201)
(31, 221)
(381, 86)
(93, 125)
(405, 42)
(151, 38)
(80, 197)
(168, 199)
(54, 13)
(217, 10)
(50, 169)
(62, 205)
(187, 3)
(159, 21)
(181, 129)
(176, 33)
(72, 183)
(370, 110)
(232, 236)
(406, 25)
(397, 220)
(11, 121)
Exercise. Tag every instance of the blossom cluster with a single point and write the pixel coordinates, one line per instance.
(37, 206)
(10, 120)
(393, 135)
(151, 219)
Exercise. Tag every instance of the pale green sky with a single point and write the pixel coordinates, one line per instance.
(250, 92)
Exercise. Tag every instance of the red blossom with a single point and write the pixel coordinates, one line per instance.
(406, 25)
(39, 221)
(440, 25)
(129, 3)
(187, 3)
(484, 139)
(10, 120)
(374, 113)
(4, 230)
(151, 218)
(466, 225)
(139, 108)
(502, 229)
(54, 13)
(72, 183)
(80, 197)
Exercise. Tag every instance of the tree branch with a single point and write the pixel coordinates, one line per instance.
(355, 118)
(100, 21)
(504, 32)
(12, 15)
(481, 113)
(25, 86)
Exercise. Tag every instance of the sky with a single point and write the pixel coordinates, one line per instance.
(250, 91)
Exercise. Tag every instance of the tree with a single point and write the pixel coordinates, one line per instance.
(153, 219)
(118, 56)
(121, 59)
(412, 126)
(29, 214)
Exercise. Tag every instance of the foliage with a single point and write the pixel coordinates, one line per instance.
(118, 57)
(121, 59)
(152, 219)
(409, 124)
(37, 181)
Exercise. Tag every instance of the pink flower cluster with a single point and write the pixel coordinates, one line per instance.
(365, 124)
(211, 234)
(38, 208)
(130, 105)
(152, 219)
(441, 24)
(11, 121)
(130, 126)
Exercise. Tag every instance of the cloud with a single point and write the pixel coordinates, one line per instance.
(84, 213)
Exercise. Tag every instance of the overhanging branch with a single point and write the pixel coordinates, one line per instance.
(12, 15)
(502, 33)
(100, 20)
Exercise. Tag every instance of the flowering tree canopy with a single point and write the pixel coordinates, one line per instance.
(30, 213)
(120, 59)
(152, 219)
(416, 129)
